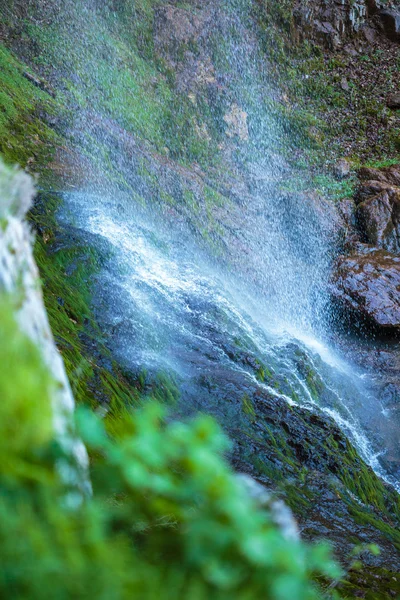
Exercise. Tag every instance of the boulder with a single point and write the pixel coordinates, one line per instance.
(370, 188)
(377, 215)
(367, 285)
(389, 175)
(378, 219)
(393, 101)
(390, 19)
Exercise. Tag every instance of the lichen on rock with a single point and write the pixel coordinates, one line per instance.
(19, 280)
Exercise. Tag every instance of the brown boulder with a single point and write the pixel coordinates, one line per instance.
(367, 284)
(378, 219)
(378, 207)
(370, 188)
(393, 101)
(389, 175)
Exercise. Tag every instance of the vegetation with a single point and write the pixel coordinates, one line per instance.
(168, 518)
(25, 136)
(333, 101)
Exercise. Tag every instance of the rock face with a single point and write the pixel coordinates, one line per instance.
(390, 19)
(19, 276)
(331, 23)
(378, 210)
(366, 282)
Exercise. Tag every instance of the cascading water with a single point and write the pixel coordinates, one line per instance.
(239, 309)
(167, 307)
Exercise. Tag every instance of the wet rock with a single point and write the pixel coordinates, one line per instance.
(346, 210)
(371, 188)
(378, 217)
(367, 284)
(378, 207)
(390, 19)
(393, 101)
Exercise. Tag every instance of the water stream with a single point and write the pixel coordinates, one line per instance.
(167, 306)
(249, 311)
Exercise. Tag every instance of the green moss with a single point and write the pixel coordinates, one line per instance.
(374, 584)
(25, 391)
(381, 163)
(25, 137)
(119, 76)
(67, 274)
(247, 407)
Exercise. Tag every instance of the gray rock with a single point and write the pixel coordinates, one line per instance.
(341, 169)
(390, 19)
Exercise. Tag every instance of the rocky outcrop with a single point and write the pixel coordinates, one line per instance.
(390, 19)
(332, 23)
(378, 207)
(19, 278)
(378, 211)
(366, 281)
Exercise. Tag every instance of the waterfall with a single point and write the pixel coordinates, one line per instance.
(214, 272)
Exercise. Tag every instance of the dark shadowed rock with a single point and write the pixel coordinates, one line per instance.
(367, 284)
(393, 101)
(391, 23)
(373, 7)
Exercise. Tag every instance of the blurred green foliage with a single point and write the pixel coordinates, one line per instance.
(168, 518)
